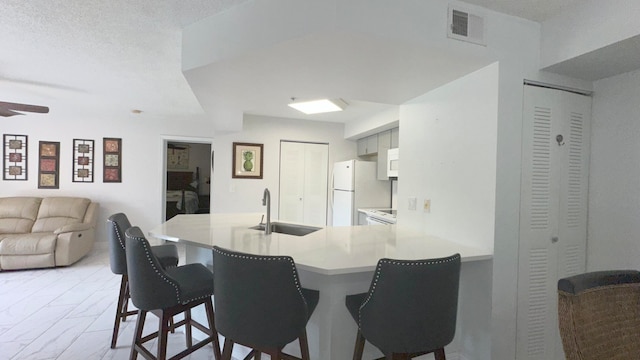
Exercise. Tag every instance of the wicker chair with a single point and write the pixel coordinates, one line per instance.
(599, 315)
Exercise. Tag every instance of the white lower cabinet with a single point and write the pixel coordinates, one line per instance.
(553, 212)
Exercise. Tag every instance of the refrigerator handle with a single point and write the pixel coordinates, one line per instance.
(332, 175)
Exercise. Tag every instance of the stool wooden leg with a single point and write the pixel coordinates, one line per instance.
(121, 300)
(304, 345)
(228, 349)
(359, 348)
(439, 354)
(137, 337)
(187, 327)
(163, 332)
(208, 305)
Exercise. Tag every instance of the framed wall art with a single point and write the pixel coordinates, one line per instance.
(48, 165)
(178, 156)
(247, 161)
(83, 151)
(112, 163)
(14, 162)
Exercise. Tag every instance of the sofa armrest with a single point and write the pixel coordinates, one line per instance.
(72, 228)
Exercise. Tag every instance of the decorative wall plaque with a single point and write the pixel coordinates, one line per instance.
(112, 160)
(83, 151)
(14, 163)
(48, 165)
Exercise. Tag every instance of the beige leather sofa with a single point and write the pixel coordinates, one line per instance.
(45, 232)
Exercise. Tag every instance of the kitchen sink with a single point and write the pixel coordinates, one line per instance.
(289, 229)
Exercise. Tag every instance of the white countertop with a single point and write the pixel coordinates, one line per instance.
(329, 251)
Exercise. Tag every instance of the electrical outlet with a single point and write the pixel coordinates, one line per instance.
(427, 206)
(412, 203)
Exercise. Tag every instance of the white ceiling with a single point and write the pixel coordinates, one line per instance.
(536, 10)
(83, 56)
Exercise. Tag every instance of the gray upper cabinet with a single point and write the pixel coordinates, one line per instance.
(395, 137)
(368, 145)
(384, 144)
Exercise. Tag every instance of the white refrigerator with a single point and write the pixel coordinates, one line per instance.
(355, 186)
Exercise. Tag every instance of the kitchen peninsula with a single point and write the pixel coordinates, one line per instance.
(335, 260)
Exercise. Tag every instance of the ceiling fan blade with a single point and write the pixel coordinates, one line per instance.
(24, 107)
(4, 112)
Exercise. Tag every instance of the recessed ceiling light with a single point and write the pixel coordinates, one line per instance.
(136, 111)
(319, 106)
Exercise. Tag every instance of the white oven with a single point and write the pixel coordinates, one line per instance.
(377, 221)
(380, 216)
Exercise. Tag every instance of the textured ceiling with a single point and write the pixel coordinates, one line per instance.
(536, 10)
(115, 54)
(108, 57)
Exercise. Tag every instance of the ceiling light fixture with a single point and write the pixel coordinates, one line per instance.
(318, 106)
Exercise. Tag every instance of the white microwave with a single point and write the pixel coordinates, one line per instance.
(392, 162)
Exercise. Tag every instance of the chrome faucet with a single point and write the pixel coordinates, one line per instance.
(266, 201)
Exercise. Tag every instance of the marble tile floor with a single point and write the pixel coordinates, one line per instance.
(67, 314)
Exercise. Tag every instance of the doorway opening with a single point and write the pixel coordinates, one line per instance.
(187, 172)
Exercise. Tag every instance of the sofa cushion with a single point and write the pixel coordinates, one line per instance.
(56, 212)
(27, 244)
(17, 214)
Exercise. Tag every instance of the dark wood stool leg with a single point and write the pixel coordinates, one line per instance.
(208, 305)
(439, 354)
(228, 349)
(163, 332)
(304, 346)
(187, 327)
(119, 309)
(359, 348)
(137, 337)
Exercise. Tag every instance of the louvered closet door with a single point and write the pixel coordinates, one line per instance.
(552, 212)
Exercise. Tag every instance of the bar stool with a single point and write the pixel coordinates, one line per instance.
(410, 308)
(117, 224)
(260, 303)
(599, 315)
(166, 293)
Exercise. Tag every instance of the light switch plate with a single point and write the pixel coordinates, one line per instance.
(412, 202)
(427, 206)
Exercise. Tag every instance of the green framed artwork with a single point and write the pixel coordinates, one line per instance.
(247, 161)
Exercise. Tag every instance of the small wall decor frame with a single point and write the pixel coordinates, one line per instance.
(48, 165)
(83, 151)
(247, 161)
(15, 157)
(112, 164)
(178, 156)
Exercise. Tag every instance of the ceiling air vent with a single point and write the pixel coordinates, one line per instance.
(465, 26)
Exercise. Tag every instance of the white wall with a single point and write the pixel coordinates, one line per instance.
(140, 193)
(590, 25)
(614, 190)
(244, 195)
(448, 155)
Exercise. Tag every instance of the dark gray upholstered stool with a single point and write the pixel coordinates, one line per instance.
(410, 309)
(260, 303)
(165, 293)
(599, 315)
(117, 224)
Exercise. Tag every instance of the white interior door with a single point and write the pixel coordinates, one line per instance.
(316, 166)
(303, 182)
(552, 212)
